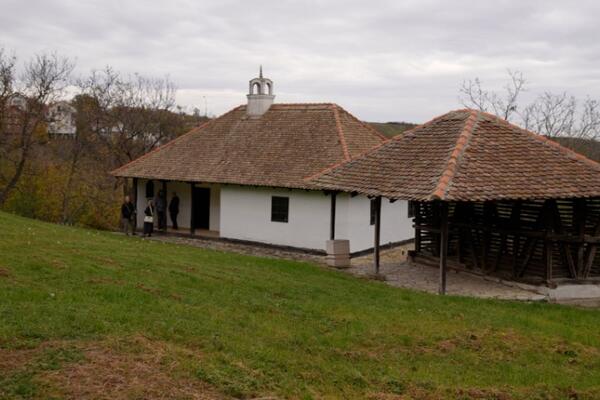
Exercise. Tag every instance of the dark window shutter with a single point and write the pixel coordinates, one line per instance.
(280, 207)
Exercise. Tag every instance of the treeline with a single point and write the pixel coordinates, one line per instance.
(66, 180)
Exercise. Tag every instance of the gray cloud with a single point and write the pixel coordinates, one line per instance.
(382, 60)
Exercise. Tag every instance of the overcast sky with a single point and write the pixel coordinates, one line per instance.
(381, 60)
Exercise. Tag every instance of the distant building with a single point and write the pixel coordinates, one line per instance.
(18, 101)
(61, 120)
(15, 107)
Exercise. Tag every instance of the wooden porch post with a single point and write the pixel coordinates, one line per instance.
(332, 220)
(192, 227)
(134, 199)
(417, 221)
(164, 196)
(579, 211)
(377, 233)
(443, 246)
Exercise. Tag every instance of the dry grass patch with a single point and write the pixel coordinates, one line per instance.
(138, 368)
(4, 273)
(135, 368)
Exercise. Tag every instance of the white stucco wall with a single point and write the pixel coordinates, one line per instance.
(353, 222)
(246, 215)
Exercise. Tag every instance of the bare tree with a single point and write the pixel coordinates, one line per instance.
(132, 115)
(549, 114)
(43, 80)
(473, 95)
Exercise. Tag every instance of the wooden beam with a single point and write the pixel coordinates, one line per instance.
(164, 198)
(548, 254)
(417, 221)
(565, 249)
(591, 253)
(515, 220)
(332, 218)
(528, 250)
(192, 227)
(579, 215)
(134, 199)
(489, 210)
(443, 247)
(377, 233)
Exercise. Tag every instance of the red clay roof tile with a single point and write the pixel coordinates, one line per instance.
(280, 148)
(466, 155)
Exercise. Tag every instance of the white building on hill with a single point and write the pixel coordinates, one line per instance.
(242, 176)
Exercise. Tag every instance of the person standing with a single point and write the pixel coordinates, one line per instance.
(174, 210)
(161, 208)
(149, 213)
(128, 216)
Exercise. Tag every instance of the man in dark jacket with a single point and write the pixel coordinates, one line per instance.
(174, 210)
(128, 216)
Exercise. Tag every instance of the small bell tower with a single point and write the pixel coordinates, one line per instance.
(260, 95)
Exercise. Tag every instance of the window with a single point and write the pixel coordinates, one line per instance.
(280, 207)
(373, 211)
(411, 209)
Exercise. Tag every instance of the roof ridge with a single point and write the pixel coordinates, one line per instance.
(424, 124)
(170, 142)
(372, 130)
(566, 151)
(375, 148)
(461, 144)
(340, 131)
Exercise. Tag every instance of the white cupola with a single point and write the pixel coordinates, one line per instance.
(260, 95)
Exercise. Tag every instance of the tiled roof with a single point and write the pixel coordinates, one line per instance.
(279, 148)
(466, 155)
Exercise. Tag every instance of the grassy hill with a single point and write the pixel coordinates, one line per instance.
(87, 314)
(391, 129)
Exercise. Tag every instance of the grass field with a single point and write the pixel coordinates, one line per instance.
(86, 314)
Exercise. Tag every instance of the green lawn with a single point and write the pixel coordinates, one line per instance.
(75, 302)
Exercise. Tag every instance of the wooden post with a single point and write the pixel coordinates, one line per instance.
(443, 246)
(579, 211)
(417, 221)
(377, 233)
(548, 254)
(164, 198)
(192, 227)
(134, 199)
(332, 220)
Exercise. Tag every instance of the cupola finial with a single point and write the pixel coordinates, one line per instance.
(260, 95)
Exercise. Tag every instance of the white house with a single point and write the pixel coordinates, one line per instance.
(61, 120)
(243, 176)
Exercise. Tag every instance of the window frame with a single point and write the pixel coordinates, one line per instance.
(280, 209)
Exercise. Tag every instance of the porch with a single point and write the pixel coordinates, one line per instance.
(199, 206)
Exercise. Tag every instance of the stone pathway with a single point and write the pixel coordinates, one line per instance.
(394, 269)
(241, 248)
(426, 278)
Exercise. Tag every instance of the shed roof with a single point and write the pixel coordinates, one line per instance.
(279, 148)
(466, 155)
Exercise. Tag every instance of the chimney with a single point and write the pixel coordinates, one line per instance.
(260, 96)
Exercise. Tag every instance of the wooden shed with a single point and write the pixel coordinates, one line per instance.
(487, 196)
